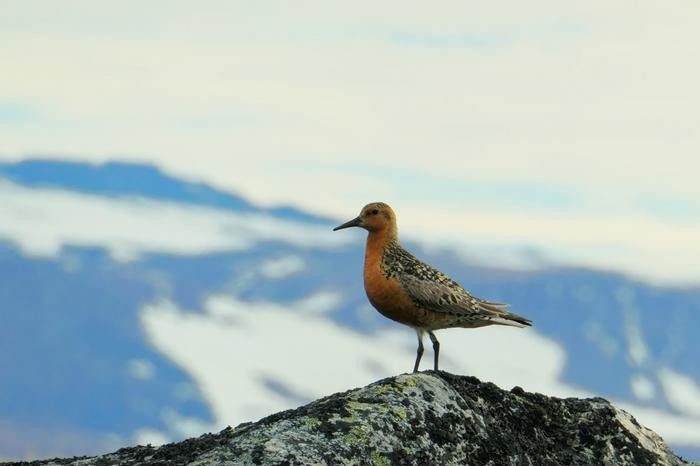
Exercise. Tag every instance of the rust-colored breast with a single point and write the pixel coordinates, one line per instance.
(386, 294)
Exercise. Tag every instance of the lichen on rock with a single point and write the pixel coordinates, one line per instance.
(418, 419)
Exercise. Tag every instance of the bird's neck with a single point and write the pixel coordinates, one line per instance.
(377, 242)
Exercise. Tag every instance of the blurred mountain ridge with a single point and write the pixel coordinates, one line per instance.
(133, 179)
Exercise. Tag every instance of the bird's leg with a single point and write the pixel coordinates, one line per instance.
(419, 352)
(436, 348)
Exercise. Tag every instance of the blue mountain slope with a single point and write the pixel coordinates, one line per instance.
(66, 343)
(70, 326)
(129, 179)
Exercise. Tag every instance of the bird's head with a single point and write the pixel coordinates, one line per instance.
(374, 217)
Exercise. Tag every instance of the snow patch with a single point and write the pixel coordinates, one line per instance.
(637, 349)
(235, 346)
(600, 337)
(147, 436)
(642, 388)
(186, 391)
(42, 220)
(141, 369)
(321, 302)
(682, 392)
(282, 267)
(183, 426)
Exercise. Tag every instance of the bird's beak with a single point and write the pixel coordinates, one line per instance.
(355, 222)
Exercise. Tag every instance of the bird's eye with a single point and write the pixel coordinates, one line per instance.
(374, 212)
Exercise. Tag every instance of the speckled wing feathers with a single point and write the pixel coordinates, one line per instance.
(433, 290)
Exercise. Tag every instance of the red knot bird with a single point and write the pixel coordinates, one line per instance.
(413, 293)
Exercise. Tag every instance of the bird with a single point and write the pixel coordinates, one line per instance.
(411, 292)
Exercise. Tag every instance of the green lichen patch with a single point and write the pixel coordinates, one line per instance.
(312, 422)
(379, 460)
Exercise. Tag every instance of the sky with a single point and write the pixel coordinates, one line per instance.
(546, 131)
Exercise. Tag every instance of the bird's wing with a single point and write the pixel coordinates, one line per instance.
(437, 292)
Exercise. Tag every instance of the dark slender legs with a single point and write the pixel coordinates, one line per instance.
(419, 352)
(436, 348)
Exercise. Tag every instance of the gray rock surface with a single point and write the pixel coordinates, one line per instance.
(430, 418)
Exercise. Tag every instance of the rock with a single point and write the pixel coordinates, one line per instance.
(430, 418)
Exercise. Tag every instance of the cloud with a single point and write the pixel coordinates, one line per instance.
(598, 98)
(318, 82)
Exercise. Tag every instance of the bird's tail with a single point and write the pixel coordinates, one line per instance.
(502, 317)
(515, 320)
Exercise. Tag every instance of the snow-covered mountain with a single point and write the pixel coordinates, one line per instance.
(137, 307)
